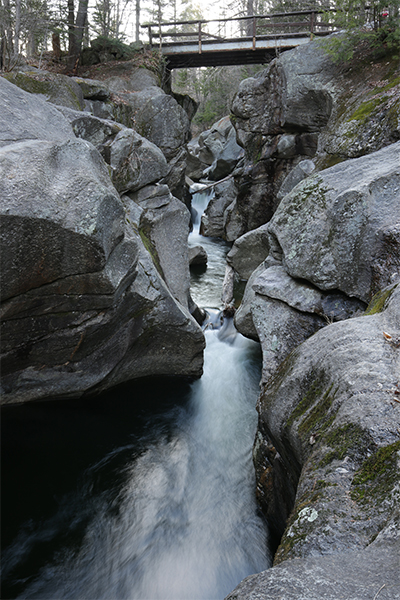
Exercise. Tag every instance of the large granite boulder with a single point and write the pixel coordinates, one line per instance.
(135, 162)
(339, 229)
(292, 94)
(45, 122)
(330, 414)
(249, 251)
(57, 89)
(164, 229)
(212, 220)
(215, 153)
(333, 242)
(83, 306)
(371, 573)
(159, 118)
(298, 109)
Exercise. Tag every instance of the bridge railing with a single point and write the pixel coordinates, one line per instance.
(302, 22)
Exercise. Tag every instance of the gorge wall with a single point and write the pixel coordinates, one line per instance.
(95, 267)
(321, 180)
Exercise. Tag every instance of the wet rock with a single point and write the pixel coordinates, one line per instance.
(215, 153)
(197, 256)
(212, 220)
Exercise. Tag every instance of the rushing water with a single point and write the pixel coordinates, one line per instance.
(146, 493)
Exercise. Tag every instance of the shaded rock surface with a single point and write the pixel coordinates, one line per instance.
(164, 229)
(197, 256)
(57, 89)
(331, 414)
(215, 153)
(327, 449)
(212, 220)
(83, 306)
(135, 161)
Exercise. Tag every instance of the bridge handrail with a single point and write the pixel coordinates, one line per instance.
(155, 29)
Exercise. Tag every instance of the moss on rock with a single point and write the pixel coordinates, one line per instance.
(379, 301)
(377, 476)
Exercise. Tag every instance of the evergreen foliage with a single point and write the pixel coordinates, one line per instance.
(377, 26)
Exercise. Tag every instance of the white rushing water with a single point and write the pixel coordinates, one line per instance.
(185, 525)
(206, 287)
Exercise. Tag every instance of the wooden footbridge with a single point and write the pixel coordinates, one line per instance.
(253, 39)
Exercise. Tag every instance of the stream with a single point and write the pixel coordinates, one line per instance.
(146, 492)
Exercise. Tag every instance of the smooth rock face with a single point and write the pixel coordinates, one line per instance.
(164, 227)
(333, 226)
(60, 213)
(197, 256)
(327, 450)
(276, 283)
(212, 221)
(297, 110)
(297, 174)
(160, 119)
(215, 153)
(44, 122)
(135, 161)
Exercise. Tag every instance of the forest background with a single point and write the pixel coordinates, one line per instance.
(32, 28)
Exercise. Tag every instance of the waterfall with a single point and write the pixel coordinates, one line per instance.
(177, 519)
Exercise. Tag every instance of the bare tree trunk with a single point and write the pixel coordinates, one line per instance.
(76, 33)
(17, 26)
(7, 27)
(137, 15)
(31, 45)
(117, 19)
(71, 25)
(250, 13)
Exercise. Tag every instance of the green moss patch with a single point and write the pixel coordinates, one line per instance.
(348, 440)
(377, 476)
(365, 109)
(379, 301)
(320, 416)
(315, 408)
(151, 250)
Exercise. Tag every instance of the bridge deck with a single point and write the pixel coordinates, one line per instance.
(229, 52)
(258, 38)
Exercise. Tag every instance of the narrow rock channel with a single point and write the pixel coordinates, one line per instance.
(161, 506)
